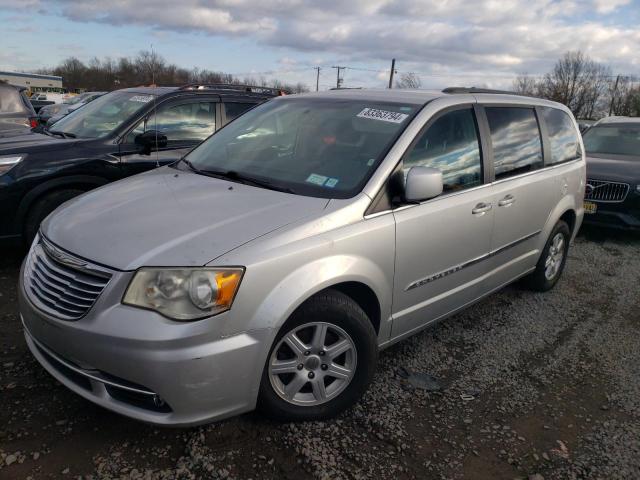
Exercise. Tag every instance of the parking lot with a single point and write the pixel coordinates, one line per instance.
(531, 384)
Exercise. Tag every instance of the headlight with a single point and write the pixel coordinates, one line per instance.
(184, 293)
(6, 163)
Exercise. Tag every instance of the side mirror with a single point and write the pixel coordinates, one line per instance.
(147, 140)
(422, 183)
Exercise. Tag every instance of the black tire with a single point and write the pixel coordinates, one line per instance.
(334, 308)
(43, 207)
(537, 280)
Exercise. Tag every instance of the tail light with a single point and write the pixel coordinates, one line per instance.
(33, 122)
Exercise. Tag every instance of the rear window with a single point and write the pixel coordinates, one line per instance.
(563, 138)
(515, 137)
(10, 101)
(613, 139)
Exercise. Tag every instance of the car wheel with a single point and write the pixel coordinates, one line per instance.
(552, 261)
(321, 362)
(44, 207)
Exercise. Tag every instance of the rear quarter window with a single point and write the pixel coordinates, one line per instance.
(10, 101)
(563, 137)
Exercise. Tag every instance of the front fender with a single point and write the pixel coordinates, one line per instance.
(318, 275)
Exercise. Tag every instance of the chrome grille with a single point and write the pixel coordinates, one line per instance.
(66, 290)
(603, 191)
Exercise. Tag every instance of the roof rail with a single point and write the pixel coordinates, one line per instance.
(235, 88)
(454, 90)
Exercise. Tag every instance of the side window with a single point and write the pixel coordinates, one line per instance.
(187, 122)
(233, 110)
(515, 136)
(451, 145)
(563, 137)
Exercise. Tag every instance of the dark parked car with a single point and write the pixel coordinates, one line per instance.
(50, 114)
(612, 194)
(16, 112)
(117, 135)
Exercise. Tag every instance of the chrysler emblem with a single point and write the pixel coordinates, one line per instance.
(61, 256)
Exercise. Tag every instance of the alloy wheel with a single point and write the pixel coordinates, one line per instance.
(312, 364)
(555, 256)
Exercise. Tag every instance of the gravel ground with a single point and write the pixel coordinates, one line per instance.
(534, 386)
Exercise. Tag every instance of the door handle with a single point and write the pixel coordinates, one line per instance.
(506, 201)
(481, 208)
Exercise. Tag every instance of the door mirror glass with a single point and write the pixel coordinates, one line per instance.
(150, 140)
(422, 183)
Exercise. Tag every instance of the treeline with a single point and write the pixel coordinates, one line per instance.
(589, 88)
(146, 68)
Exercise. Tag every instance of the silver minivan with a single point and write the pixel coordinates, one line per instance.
(270, 265)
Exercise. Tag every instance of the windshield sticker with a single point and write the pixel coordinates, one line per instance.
(383, 115)
(331, 182)
(141, 98)
(316, 179)
(370, 162)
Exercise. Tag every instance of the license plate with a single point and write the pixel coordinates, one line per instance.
(590, 207)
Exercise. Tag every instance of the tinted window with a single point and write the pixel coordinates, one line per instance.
(188, 122)
(515, 137)
(563, 138)
(325, 147)
(450, 144)
(234, 110)
(613, 139)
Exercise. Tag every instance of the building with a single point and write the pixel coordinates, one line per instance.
(33, 81)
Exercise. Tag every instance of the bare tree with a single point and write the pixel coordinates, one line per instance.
(578, 82)
(526, 85)
(408, 80)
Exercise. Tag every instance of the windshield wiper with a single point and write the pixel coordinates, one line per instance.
(63, 134)
(242, 178)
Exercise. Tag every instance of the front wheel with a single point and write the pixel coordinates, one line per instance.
(321, 362)
(552, 260)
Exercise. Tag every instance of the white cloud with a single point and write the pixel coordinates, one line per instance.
(608, 6)
(491, 41)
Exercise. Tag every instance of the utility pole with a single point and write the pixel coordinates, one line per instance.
(393, 70)
(317, 69)
(339, 80)
(613, 95)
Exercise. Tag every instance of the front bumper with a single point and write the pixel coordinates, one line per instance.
(623, 215)
(177, 374)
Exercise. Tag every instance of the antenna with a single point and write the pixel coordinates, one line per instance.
(155, 111)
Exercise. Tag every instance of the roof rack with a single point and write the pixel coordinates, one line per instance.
(454, 90)
(235, 88)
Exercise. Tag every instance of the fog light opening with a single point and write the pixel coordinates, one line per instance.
(158, 401)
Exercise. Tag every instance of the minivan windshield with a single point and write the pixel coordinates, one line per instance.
(613, 139)
(319, 147)
(103, 115)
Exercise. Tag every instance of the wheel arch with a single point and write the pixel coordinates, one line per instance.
(82, 182)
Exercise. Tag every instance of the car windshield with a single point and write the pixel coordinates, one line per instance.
(319, 147)
(76, 99)
(613, 140)
(100, 117)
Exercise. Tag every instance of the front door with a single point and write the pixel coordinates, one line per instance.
(185, 123)
(442, 244)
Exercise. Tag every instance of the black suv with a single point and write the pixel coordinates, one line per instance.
(117, 135)
(612, 193)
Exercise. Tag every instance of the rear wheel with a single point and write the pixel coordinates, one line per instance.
(552, 261)
(321, 362)
(44, 207)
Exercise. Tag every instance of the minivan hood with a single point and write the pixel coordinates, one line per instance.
(167, 217)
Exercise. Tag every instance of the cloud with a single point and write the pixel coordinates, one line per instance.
(444, 39)
(608, 6)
